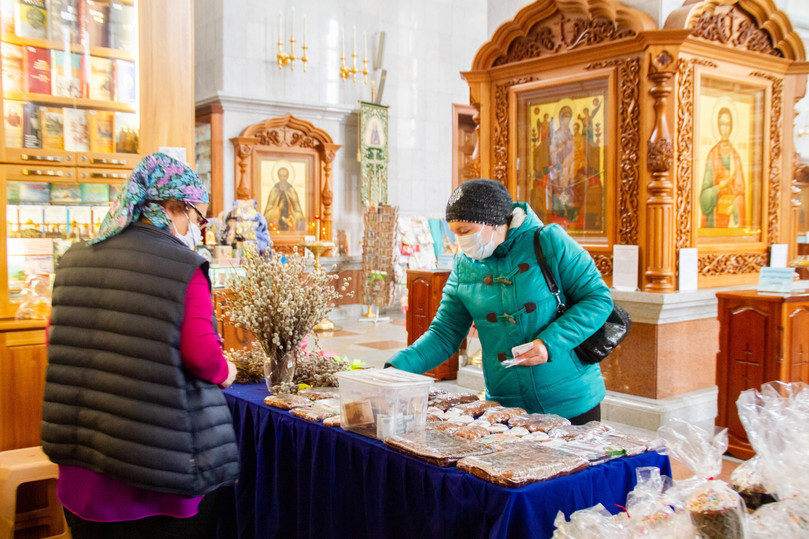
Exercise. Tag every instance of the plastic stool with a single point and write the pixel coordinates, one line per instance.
(19, 466)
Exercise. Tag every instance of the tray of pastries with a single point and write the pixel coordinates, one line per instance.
(436, 447)
(522, 464)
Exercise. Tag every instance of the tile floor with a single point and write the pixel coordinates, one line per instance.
(375, 342)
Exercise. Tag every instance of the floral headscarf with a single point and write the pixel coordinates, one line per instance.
(156, 177)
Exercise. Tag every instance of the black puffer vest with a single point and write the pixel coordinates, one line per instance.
(117, 398)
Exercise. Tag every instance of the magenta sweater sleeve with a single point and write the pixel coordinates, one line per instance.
(200, 345)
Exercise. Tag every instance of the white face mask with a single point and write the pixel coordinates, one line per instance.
(473, 246)
(192, 238)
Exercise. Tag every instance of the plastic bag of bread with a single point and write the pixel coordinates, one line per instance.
(522, 464)
(575, 432)
(286, 401)
(593, 522)
(333, 421)
(500, 414)
(471, 432)
(476, 409)
(716, 510)
(319, 393)
(535, 422)
(746, 479)
(309, 413)
(436, 447)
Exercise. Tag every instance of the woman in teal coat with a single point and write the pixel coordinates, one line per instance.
(497, 284)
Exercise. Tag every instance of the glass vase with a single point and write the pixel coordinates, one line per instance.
(279, 369)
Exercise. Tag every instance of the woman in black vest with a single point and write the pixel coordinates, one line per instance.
(133, 412)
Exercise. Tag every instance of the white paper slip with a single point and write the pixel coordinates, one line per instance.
(625, 267)
(688, 269)
(521, 349)
(511, 362)
(778, 255)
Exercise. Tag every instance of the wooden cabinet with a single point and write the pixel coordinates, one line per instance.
(23, 359)
(424, 289)
(761, 338)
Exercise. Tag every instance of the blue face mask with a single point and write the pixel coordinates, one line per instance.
(473, 246)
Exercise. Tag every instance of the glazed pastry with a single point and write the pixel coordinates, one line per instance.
(471, 432)
(476, 409)
(716, 512)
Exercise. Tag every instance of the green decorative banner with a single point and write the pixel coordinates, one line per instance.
(373, 154)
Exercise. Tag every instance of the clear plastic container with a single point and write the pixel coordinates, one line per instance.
(382, 403)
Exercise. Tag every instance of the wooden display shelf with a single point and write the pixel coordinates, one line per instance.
(78, 48)
(71, 102)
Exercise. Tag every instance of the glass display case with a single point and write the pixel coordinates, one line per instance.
(70, 82)
(70, 131)
(46, 213)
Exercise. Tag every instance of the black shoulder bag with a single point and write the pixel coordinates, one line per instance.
(601, 343)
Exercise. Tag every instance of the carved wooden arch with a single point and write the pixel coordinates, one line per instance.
(755, 25)
(287, 137)
(549, 27)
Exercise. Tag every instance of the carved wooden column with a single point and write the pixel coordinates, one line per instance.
(326, 192)
(660, 270)
(243, 148)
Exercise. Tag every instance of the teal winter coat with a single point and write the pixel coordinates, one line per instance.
(515, 308)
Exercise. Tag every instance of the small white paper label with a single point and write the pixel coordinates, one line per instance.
(625, 267)
(778, 255)
(778, 280)
(521, 349)
(688, 269)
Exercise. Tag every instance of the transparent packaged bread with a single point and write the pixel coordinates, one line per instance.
(319, 393)
(501, 414)
(286, 401)
(471, 432)
(476, 408)
(333, 421)
(522, 464)
(538, 422)
(747, 481)
(436, 447)
(444, 426)
(716, 510)
(574, 432)
(444, 400)
(309, 413)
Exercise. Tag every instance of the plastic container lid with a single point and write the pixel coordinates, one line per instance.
(389, 377)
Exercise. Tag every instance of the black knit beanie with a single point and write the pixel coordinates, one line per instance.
(487, 202)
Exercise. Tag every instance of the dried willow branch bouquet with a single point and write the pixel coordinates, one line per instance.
(279, 303)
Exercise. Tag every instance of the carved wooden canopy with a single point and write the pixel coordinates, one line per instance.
(755, 25)
(287, 137)
(549, 27)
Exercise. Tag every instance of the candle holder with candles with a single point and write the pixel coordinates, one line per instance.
(288, 59)
(318, 248)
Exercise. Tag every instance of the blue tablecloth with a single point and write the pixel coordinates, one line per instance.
(301, 479)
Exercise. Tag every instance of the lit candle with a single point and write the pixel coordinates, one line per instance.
(317, 228)
(342, 42)
(280, 26)
(354, 46)
(292, 26)
(364, 45)
(304, 30)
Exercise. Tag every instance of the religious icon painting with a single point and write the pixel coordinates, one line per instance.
(563, 133)
(284, 197)
(728, 173)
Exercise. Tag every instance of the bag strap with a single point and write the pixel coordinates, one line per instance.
(546, 272)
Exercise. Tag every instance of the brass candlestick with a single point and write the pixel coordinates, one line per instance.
(317, 248)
